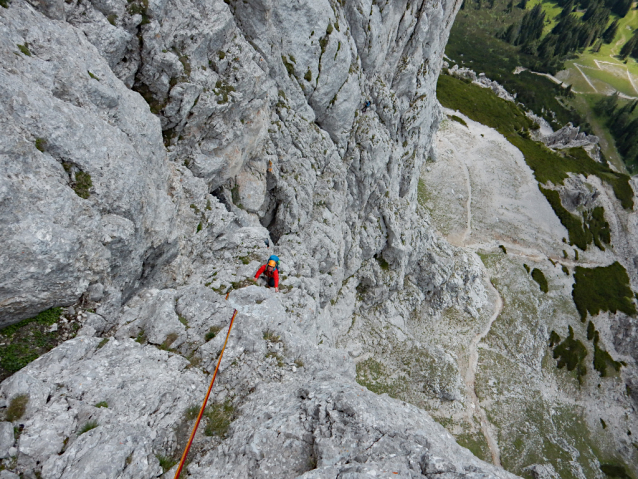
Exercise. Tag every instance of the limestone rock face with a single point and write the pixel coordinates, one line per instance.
(66, 118)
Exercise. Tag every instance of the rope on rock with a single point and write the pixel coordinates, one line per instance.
(201, 411)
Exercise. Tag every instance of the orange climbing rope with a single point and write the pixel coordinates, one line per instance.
(201, 411)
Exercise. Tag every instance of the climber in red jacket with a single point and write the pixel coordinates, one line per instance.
(271, 271)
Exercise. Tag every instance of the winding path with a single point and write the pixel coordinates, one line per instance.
(474, 406)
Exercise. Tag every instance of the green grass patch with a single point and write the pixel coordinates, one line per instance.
(102, 404)
(41, 144)
(25, 50)
(28, 340)
(87, 427)
(83, 184)
(191, 412)
(17, 408)
(383, 264)
(539, 277)
(571, 353)
(458, 119)
(603, 360)
(165, 462)
(604, 288)
(102, 343)
(212, 332)
(219, 416)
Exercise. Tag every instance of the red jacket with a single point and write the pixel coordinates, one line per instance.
(273, 274)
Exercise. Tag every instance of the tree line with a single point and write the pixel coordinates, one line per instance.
(621, 125)
(570, 34)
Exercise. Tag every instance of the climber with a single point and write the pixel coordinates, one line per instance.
(366, 106)
(271, 271)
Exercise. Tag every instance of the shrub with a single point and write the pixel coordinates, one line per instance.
(17, 407)
(539, 277)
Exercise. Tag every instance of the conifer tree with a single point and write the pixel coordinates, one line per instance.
(610, 32)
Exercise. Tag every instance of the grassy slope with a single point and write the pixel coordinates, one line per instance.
(483, 106)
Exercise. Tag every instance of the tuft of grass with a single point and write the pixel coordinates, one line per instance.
(17, 408)
(565, 270)
(87, 427)
(383, 264)
(170, 339)
(605, 288)
(554, 339)
(526, 268)
(191, 412)
(603, 423)
(299, 363)
(223, 89)
(165, 462)
(278, 358)
(41, 144)
(458, 119)
(112, 18)
(503, 248)
(308, 75)
(212, 332)
(571, 353)
(219, 416)
(4, 3)
(24, 49)
(102, 404)
(102, 343)
(141, 337)
(83, 184)
(93, 76)
(183, 320)
(271, 336)
(539, 277)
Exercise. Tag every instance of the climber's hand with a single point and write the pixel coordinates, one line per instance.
(276, 290)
